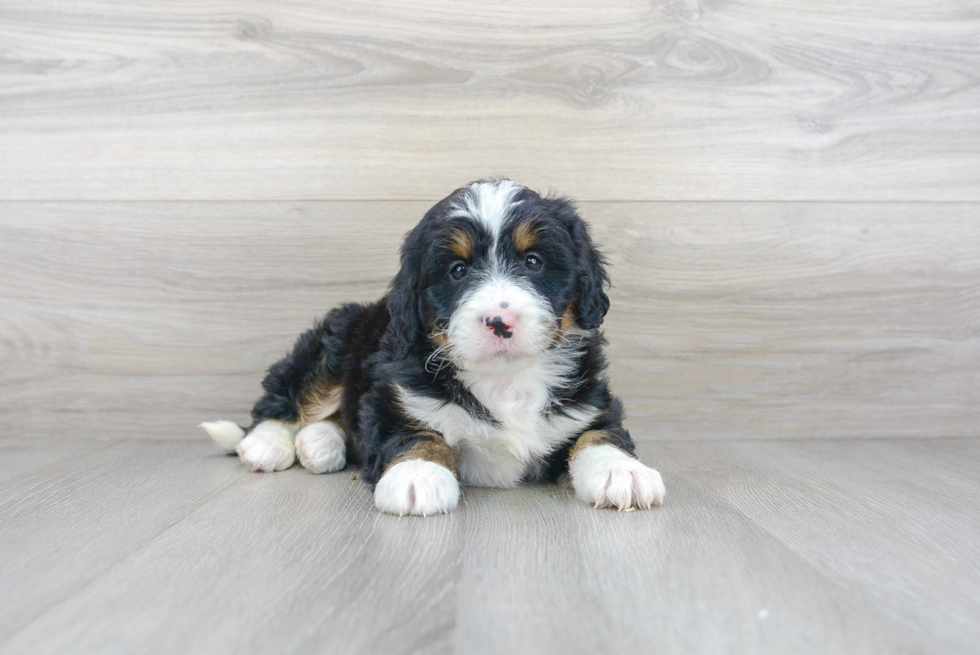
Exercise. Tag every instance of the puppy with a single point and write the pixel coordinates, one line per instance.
(482, 365)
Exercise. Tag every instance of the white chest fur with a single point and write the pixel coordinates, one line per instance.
(500, 455)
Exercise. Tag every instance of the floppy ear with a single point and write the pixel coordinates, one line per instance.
(591, 303)
(405, 297)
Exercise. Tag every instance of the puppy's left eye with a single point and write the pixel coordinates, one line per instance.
(458, 270)
(533, 262)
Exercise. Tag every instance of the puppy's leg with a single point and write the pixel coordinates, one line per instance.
(420, 478)
(302, 388)
(268, 447)
(321, 448)
(605, 473)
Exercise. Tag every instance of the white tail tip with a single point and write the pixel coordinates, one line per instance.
(224, 433)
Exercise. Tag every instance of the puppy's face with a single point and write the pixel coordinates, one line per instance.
(500, 275)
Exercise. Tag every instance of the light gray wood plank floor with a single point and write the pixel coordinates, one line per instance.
(857, 546)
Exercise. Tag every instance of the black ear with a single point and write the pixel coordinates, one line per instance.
(592, 303)
(405, 302)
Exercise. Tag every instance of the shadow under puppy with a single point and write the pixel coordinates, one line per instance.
(483, 365)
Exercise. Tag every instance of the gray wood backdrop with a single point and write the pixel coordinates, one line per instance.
(788, 193)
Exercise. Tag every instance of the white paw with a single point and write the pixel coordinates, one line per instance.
(417, 487)
(268, 447)
(321, 448)
(605, 476)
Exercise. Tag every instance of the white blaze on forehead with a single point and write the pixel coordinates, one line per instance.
(489, 204)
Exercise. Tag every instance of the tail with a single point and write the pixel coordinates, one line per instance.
(224, 433)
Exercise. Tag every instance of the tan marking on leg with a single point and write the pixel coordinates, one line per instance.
(588, 439)
(432, 449)
(319, 401)
(525, 235)
(460, 242)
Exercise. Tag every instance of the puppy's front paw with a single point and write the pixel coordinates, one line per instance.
(417, 487)
(268, 447)
(605, 476)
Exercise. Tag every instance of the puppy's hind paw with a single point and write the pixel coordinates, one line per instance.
(321, 448)
(418, 487)
(267, 448)
(605, 476)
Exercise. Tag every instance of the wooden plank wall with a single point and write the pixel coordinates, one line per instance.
(788, 193)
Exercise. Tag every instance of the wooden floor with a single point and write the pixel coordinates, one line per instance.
(847, 546)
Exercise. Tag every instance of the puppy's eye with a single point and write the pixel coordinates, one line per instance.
(458, 270)
(533, 262)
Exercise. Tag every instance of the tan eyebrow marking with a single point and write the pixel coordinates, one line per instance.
(526, 235)
(460, 242)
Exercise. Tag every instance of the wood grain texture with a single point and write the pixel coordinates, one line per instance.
(728, 319)
(695, 578)
(814, 495)
(285, 563)
(26, 463)
(67, 526)
(857, 546)
(678, 100)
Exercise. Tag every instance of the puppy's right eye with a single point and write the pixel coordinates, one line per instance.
(458, 270)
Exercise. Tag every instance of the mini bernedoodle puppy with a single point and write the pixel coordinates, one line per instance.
(482, 365)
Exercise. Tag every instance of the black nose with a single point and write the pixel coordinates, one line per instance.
(499, 327)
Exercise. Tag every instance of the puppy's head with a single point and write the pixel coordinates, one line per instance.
(495, 275)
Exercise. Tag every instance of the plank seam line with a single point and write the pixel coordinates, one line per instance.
(136, 548)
